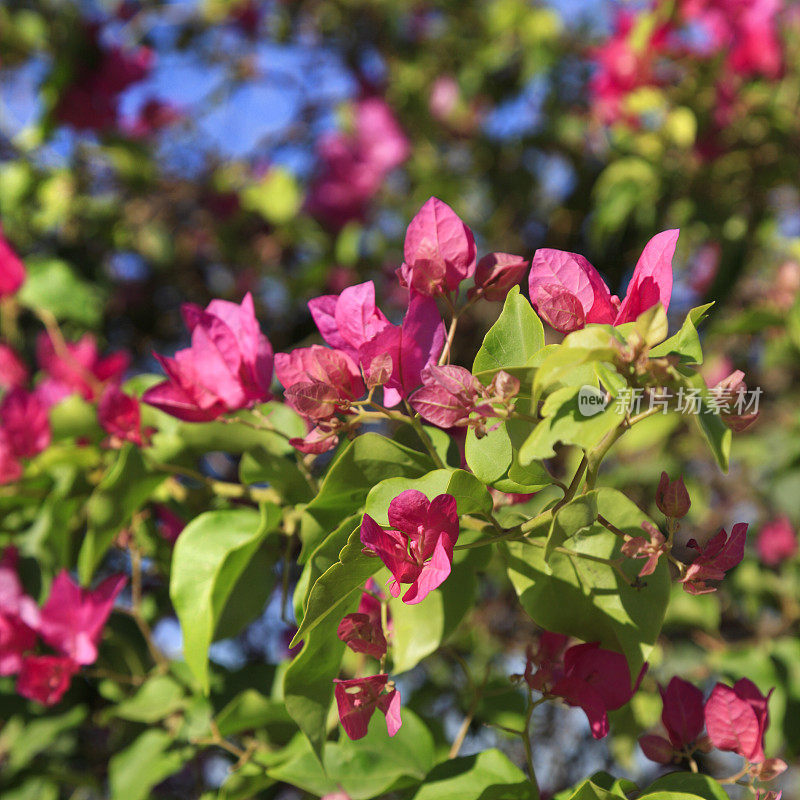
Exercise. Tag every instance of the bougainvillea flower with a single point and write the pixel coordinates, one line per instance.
(414, 344)
(418, 547)
(682, 714)
(672, 498)
(683, 719)
(362, 634)
(254, 348)
(228, 366)
(354, 165)
(318, 380)
(25, 424)
(496, 273)
(91, 100)
(72, 619)
(12, 270)
(168, 523)
(776, 542)
(317, 440)
(357, 700)
(45, 678)
(13, 372)
(119, 415)
(731, 396)
(348, 320)
(568, 292)
(154, 115)
(737, 718)
(19, 615)
(652, 548)
(621, 66)
(439, 250)
(718, 556)
(585, 676)
(448, 396)
(597, 681)
(77, 368)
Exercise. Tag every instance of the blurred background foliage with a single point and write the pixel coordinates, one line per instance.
(156, 153)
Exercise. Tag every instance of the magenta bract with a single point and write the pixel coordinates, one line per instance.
(737, 718)
(777, 541)
(718, 556)
(568, 292)
(439, 250)
(228, 366)
(357, 699)
(418, 548)
(72, 619)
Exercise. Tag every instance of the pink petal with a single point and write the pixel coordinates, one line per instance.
(408, 512)
(389, 703)
(559, 308)
(433, 574)
(731, 722)
(323, 311)
(357, 318)
(574, 274)
(652, 279)
(683, 712)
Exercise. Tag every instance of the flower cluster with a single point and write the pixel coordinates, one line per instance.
(735, 720)
(568, 292)
(418, 547)
(228, 366)
(585, 676)
(353, 166)
(70, 622)
(645, 49)
(357, 698)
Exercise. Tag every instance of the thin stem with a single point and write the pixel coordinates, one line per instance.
(599, 453)
(234, 491)
(136, 610)
(526, 740)
(464, 729)
(444, 358)
(610, 526)
(569, 494)
(735, 778)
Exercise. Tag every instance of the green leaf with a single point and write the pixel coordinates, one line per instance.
(35, 736)
(308, 681)
(490, 456)
(589, 600)
(210, 555)
(685, 343)
(563, 421)
(515, 337)
(363, 463)
(679, 785)
(418, 630)
(53, 286)
(276, 196)
(250, 710)
(367, 768)
(652, 325)
(124, 489)
(336, 584)
(571, 519)
(471, 495)
(260, 466)
(716, 432)
(595, 343)
(155, 699)
(486, 776)
(134, 771)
